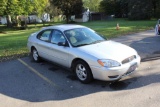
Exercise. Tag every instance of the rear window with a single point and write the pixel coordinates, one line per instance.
(44, 35)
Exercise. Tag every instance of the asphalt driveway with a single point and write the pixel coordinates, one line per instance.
(24, 83)
(146, 43)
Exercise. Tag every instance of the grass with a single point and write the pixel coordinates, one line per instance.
(13, 42)
(108, 28)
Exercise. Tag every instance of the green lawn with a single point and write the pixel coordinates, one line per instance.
(13, 42)
(108, 28)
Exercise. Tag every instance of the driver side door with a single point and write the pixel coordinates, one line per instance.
(59, 54)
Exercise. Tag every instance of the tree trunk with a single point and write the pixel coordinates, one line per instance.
(43, 22)
(25, 22)
(17, 22)
(67, 18)
(154, 8)
(9, 22)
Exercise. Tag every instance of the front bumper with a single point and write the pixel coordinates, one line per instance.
(115, 73)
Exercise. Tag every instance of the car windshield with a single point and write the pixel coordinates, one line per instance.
(83, 36)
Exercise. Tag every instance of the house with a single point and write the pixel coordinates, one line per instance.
(34, 18)
(81, 18)
(30, 19)
(3, 20)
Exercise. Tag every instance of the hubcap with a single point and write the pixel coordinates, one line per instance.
(35, 55)
(81, 72)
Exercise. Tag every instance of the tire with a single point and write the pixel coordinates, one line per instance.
(83, 72)
(35, 55)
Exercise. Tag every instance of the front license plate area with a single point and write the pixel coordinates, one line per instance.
(132, 68)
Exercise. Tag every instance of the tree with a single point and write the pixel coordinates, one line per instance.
(133, 9)
(25, 7)
(21, 7)
(156, 8)
(9, 7)
(39, 7)
(140, 10)
(93, 5)
(69, 7)
(53, 10)
(3, 4)
(121, 8)
(117, 7)
(108, 6)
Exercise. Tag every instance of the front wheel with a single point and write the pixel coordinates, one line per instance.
(83, 72)
(35, 55)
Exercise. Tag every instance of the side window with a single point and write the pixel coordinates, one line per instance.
(57, 37)
(44, 35)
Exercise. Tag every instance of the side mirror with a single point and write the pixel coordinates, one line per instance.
(63, 44)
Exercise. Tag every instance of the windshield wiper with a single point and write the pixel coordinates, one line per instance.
(98, 41)
(90, 43)
(81, 45)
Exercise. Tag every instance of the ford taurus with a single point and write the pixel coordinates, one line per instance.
(84, 51)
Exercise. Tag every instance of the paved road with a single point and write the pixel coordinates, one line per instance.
(146, 43)
(24, 83)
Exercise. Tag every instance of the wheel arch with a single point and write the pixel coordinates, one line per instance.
(77, 59)
(89, 71)
(32, 47)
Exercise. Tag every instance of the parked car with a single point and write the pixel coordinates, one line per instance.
(157, 28)
(84, 51)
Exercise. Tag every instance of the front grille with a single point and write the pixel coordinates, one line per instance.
(129, 59)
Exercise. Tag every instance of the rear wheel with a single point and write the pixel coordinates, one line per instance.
(35, 55)
(83, 72)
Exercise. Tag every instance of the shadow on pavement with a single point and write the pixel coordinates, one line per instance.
(147, 46)
(151, 58)
(19, 82)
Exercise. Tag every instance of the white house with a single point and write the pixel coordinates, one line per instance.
(30, 19)
(34, 18)
(85, 17)
(46, 17)
(3, 20)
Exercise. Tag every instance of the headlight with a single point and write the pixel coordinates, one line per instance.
(108, 63)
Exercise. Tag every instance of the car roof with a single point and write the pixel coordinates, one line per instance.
(64, 27)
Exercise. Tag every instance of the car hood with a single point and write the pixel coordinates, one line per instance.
(109, 50)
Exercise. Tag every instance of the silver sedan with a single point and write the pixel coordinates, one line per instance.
(88, 54)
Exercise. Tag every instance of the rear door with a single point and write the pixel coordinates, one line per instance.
(43, 43)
